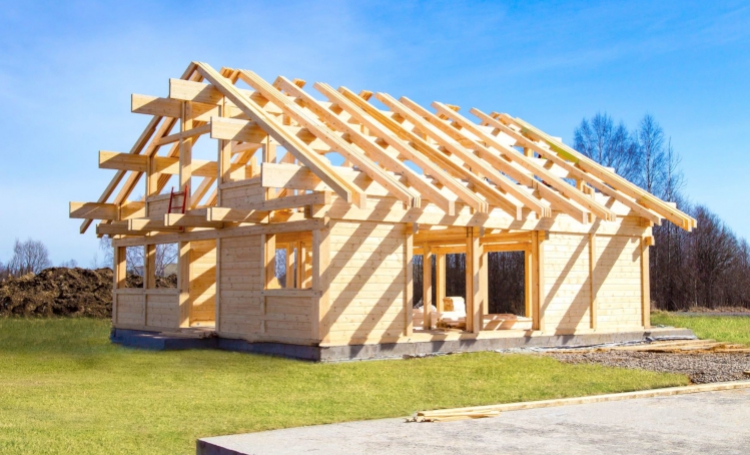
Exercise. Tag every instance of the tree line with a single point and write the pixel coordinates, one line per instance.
(708, 267)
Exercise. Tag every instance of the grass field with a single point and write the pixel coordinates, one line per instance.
(734, 329)
(65, 389)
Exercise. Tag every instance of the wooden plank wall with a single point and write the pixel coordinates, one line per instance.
(617, 280)
(202, 280)
(567, 289)
(162, 310)
(570, 290)
(239, 195)
(248, 311)
(129, 307)
(241, 285)
(367, 282)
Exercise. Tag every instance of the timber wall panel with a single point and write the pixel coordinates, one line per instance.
(241, 285)
(367, 281)
(567, 289)
(162, 310)
(129, 309)
(242, 196)
(203, 280)
(159, 207)
(617, 282)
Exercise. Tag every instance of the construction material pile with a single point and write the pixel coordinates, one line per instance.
(704, 361)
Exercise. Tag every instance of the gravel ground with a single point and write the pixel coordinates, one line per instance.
(700, 367)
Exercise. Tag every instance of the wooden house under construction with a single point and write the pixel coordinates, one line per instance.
(297, 232)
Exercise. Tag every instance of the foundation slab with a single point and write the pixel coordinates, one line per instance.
(156, 341)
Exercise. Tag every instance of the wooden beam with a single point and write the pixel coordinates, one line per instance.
(322, 132)
(94, 211)
(186, 220)
(163, 164)
(474, 305)
(185, 134)
(427, 286)
(167, 107)
(449, 137)
(409, 282)
(473, 167)
(183, 284)
(250, 212)
(577, 173)
(293, 144)
(440, 281)
(607, 176)
(379, 124)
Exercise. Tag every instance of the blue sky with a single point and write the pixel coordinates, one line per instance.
(67, 70)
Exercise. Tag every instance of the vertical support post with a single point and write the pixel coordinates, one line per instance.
(409, 283)
(321, 252)
(183, 284)
(120, 275)
(592, 279)
(224, 158)
(528, 291)
(474, 304)
(484, 284)
(300, 266)
(149, 277)
(269, 156)
(541, 237)
(440, 282)
(537, 280)
(645, 285)
(217, 308)
(268, 259)
(290, 266)
(427, 286)
(186, 152)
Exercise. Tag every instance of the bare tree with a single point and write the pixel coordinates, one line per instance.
(651, 157)
(166, 254)
(28, 256)
(607, 144)
(71, 264)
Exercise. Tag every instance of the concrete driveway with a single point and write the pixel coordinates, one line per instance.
(701, 423)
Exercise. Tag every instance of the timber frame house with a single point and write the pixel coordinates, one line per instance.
(351, 192)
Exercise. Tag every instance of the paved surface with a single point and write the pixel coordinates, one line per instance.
(701, 423)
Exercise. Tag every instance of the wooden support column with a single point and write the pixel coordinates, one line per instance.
(149, 277)
(186, 151)
(120, 275)
(645, 285)
(321, 255)
(484, 283)
(409, 284)
(440, 281)
(269, 156)
(592, 279)
(183, 284)
(224, 159)
(268, 259)
(290, 269)
(528, 291)
(474, 304)
(427, 286)
(217, 308)
(537, 279)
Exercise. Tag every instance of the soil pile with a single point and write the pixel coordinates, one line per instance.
(62, 291)
(58, 291)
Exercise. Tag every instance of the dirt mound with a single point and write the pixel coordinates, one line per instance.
(58, 291)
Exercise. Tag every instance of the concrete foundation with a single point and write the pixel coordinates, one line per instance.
(156, 341)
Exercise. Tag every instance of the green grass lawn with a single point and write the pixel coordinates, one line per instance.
(732, 329)
(65, 389)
